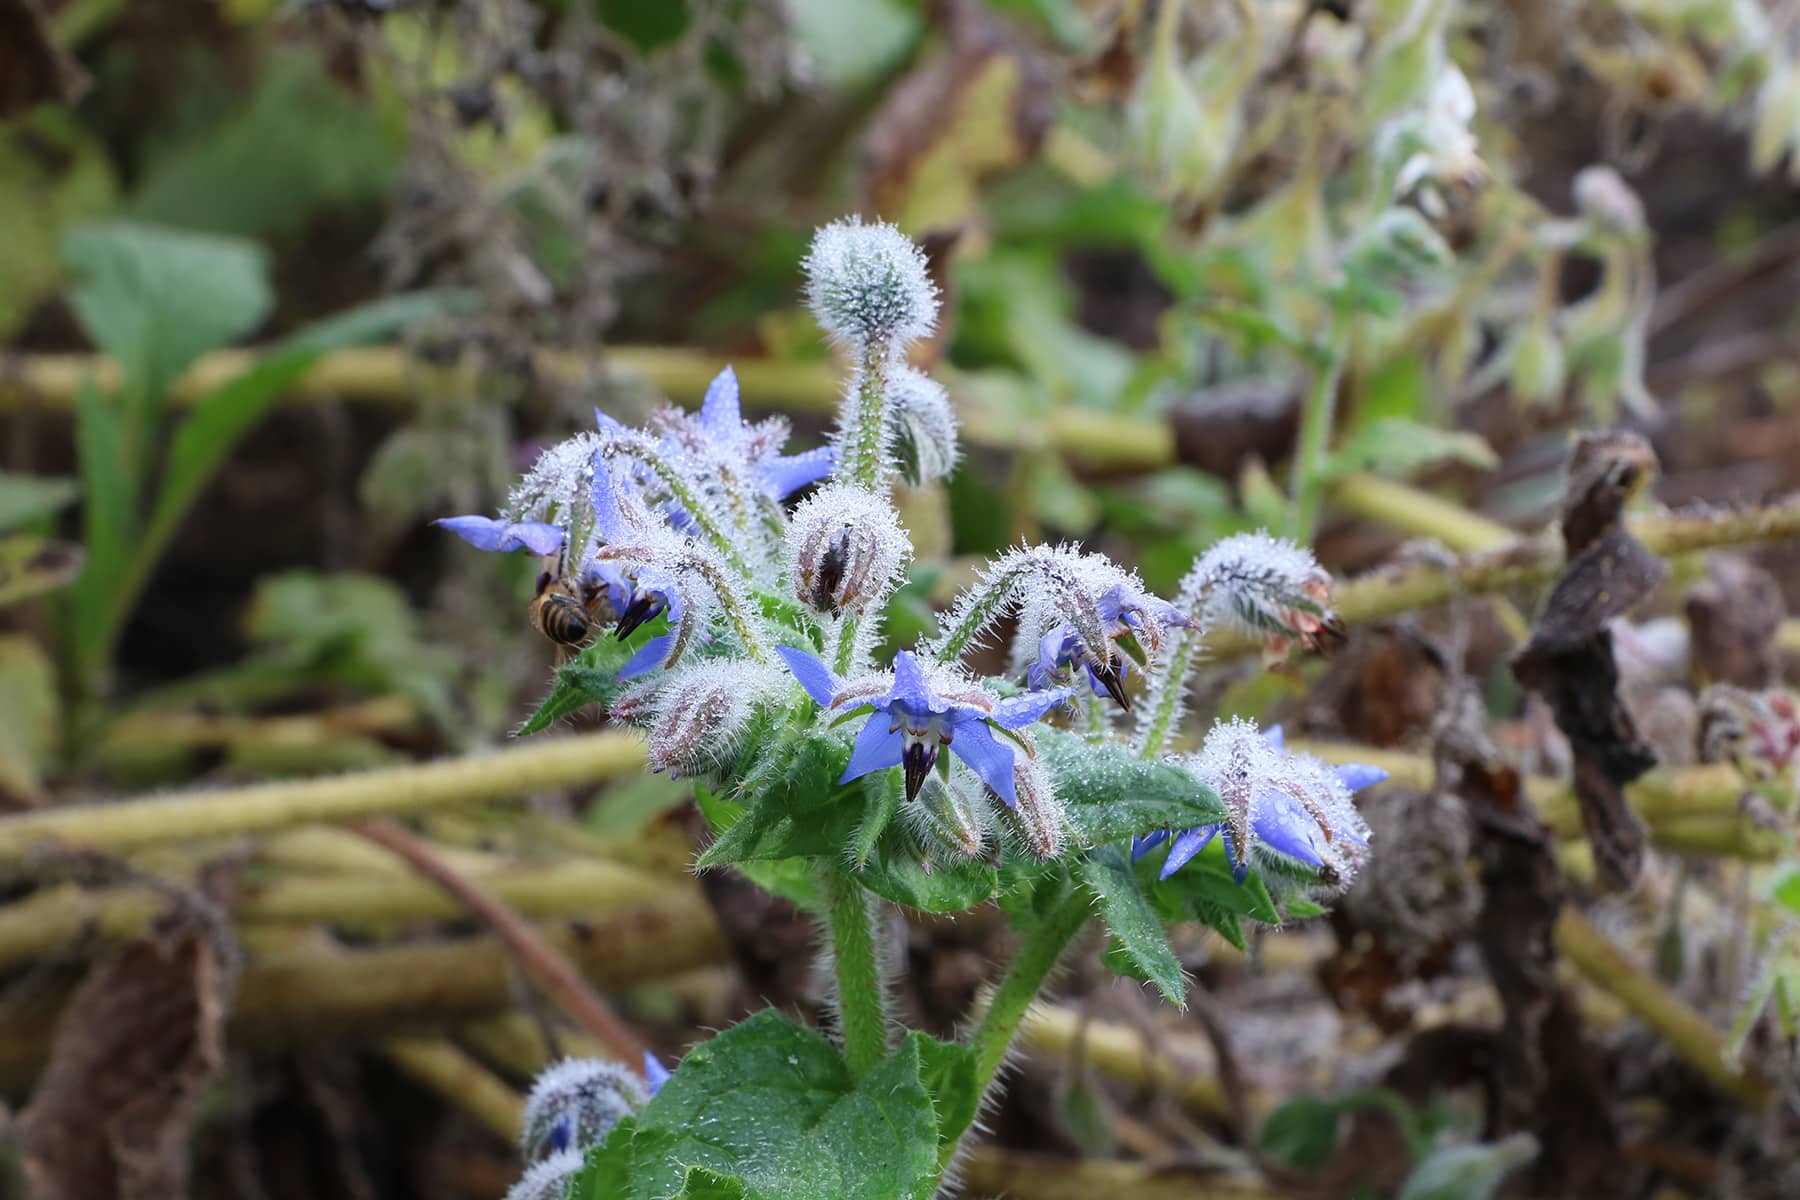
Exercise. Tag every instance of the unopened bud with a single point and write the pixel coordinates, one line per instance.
(1038, 817)
(549, 1179)
(951, 818)
(572, 1105)
(1539, 368)
(869, 284)
(1265, 585)
(924, 427)
(700, 714)
(845, 548)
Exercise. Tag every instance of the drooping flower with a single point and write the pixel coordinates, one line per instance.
(1133, 623)
(1295, 806)
(698, 716)
(1264, 585)
(916, 711)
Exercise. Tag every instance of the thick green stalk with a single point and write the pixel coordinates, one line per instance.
(861, 992)
(864, 460)
(1316, 420)
(843, 656)
(1038, 953)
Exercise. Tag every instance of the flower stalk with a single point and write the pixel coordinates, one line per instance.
(856, 962)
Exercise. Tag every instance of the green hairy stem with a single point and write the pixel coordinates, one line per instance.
(861, 991)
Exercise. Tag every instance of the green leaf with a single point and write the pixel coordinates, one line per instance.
(646, 26)
(591, 677)
(29, 711)
(802, 812)
(266, 164)
(224, 416)
(793, 879)
(771, 1107)
(154, 299)
(1301, 1133)
(1468, 1172)
(28, 498)
(1394, 446)
(1111, 793)
(1134, 922)
(702, 1184)
(897, 872)
(948, 1072)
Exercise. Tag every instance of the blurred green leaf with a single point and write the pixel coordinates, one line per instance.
(852, 41)
(52, 172)
(154, 299)
(266, 166)
(28, 498)
(1400, 447)
(646, 26)
(1468, 1172)
(1301, 1133)
(29, 711)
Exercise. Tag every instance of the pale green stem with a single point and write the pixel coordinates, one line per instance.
(1316, 420)
(1165, 699)
(861, 993)
(683, 495)
(1039, 951)
(843, 656)
(737, 613)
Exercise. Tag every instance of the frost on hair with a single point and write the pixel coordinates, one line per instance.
(869, 284)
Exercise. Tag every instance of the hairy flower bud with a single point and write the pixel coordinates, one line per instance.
(1038, 817)
(1603, 196)
(924, 427)
(869, 284)
(952, 818)
(845, 549)
(701, 712)
(1264, 585)
(549, 1179)
(572, 1105)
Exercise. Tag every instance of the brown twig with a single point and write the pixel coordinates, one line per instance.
(542, 961)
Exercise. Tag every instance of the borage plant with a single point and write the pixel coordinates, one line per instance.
(747, 647)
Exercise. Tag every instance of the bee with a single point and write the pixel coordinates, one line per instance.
(558, 612)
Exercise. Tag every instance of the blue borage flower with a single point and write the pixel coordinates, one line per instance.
(1133, 621)
(1295, 805)
(719, 441)
(485, 533)
(916, 711)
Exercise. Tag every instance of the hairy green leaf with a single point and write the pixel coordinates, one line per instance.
(1111, 793)
(1134, 922)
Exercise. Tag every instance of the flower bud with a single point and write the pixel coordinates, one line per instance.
(700, 713)
(1183, 123)
(1539, 369)
(549, 1179)
(1264, 585)
(1038, 817)
(869, 284)
(845, 549)
(571, 1106)
(951, 817)
(924, 427)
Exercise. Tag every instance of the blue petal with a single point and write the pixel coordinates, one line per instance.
(786, 474)
(651, 655)
(1143, 845)
(813, 675)
(607, 424)
(1187, 843)
(1111, 602)
(1274, 738)
(655, 1074)
(1019, 711)
(987, 756)
(720, 415)
(1281, 823)
(1357, 776)
(485, 533)
(655, 581)
(603, 494)
(911, 688)
(878, 747)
